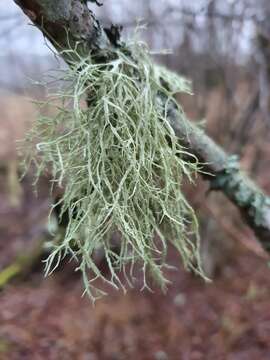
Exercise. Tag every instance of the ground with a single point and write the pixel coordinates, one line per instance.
(49, 319)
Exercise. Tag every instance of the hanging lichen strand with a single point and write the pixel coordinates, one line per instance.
(121, 167)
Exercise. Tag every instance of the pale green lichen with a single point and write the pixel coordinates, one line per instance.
(121, 166)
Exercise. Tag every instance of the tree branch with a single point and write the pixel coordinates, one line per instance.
(253, 204)
(67, 23)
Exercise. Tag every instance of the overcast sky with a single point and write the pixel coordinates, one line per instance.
(16, 33)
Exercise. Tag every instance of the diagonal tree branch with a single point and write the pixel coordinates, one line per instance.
(253, 204)
(69, 23)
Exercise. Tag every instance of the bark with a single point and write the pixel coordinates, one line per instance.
(67, 23)
(253, 204)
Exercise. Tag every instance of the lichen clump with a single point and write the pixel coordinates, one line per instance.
(121, 167)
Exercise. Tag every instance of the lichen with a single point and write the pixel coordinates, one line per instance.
(244, 193)
(121, 166)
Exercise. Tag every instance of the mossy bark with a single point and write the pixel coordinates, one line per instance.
(69, 23)
(227, 177)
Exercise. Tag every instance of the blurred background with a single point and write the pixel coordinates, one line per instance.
(223, 47)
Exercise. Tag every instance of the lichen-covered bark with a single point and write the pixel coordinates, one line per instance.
(69, 22)
(227, 177)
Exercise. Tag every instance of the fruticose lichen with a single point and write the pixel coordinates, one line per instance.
(121, 167)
